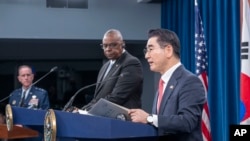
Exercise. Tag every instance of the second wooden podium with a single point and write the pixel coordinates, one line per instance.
(17, 132)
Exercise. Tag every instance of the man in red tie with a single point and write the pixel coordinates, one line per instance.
(178, 103)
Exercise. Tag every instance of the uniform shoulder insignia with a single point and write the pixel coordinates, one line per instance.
(39, 89)
(17, 90)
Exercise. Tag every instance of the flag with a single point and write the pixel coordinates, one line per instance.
(201, 70)
(245, 64)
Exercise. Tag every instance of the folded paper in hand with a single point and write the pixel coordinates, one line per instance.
(109, 109)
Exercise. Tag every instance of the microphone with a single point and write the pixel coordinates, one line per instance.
(5, 98)
(51, 70)
(70, 102)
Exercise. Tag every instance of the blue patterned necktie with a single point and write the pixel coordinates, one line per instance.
(22, 99)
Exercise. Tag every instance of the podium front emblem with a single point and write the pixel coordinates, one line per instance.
(50, 126)
(9, 117)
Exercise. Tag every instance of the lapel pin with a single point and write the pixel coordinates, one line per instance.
(171, 87)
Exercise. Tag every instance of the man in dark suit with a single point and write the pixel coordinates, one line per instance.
(177, 115)
(29, 96)
(124, 90)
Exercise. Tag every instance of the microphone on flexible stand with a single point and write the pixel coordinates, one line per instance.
(51, 70)
(70, 102)
(5, 98)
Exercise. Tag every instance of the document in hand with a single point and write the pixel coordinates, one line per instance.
(109, 109)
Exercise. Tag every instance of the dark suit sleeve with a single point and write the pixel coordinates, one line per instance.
(130, 86)
(125, 90)
(184, 113)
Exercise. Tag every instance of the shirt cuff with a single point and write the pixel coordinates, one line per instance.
(155, 120)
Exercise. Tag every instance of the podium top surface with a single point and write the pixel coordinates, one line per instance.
(87, 126)
(73, 125)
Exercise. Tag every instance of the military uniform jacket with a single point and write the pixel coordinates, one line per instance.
(39, 93)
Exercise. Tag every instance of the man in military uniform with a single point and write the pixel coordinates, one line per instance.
(28, 96)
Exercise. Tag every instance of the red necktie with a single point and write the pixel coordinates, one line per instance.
(160, 90)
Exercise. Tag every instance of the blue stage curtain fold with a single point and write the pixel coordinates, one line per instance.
(221, 19)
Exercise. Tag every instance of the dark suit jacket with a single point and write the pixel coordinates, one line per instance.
(124, 90)
(181, 108)
(41, 95)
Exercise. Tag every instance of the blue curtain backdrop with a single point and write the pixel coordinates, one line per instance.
(221, 19)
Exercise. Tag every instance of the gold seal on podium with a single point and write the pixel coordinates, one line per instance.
(9, 117)
(50, 126)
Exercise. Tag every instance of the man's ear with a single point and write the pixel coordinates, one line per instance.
(123, 44)
(169, 50)
(18, 78)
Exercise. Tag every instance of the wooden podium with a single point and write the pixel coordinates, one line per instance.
(12, 130)
(16, 132)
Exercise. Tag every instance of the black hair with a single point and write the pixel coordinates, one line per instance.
(166, 36)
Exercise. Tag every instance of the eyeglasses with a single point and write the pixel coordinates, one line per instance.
(149, 49)
(146, 50)
(111, 45)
